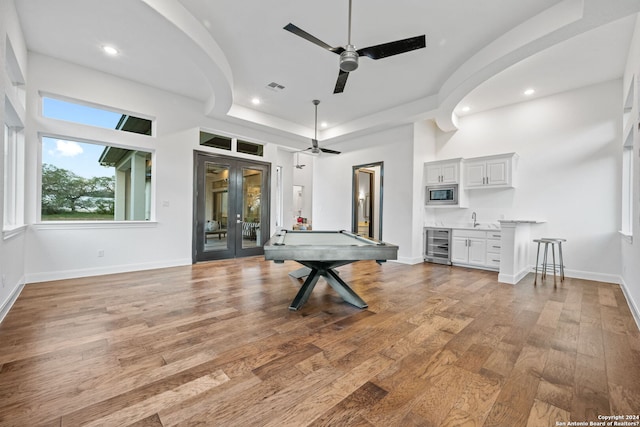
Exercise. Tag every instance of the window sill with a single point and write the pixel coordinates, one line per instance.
(627, 237)
(82, 225)
(10, 232)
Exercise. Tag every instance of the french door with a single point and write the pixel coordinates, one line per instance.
(231, 207)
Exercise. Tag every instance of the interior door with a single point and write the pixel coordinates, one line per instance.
(231, 207)
(366, 210)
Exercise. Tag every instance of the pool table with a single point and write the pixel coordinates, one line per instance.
(321, 252)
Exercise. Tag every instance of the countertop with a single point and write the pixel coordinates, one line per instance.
(483, 226)
(520, 221)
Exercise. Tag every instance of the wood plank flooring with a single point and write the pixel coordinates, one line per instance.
(214, 344)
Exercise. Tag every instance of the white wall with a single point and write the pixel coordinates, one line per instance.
(630, 269)
(332, 191)
(568, 172)
(61, 251)
(12, 243)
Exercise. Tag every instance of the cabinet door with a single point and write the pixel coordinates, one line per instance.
(433, 173)
(498, 172)
(475, 174)
(449, 173)
(459, 250)
(477, 251)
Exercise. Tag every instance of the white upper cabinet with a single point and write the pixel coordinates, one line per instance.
(443, 172)
(491, 171)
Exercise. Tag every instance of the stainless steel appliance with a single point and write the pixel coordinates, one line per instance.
(439, 195)
(437, 244)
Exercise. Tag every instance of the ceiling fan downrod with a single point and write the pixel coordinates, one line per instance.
(315, 149)
(349, 58)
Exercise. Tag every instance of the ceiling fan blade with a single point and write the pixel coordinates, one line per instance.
(341, 82)
(302, 33)
(393, 48)
(329, 151)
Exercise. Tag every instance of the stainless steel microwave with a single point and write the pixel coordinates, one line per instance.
(439, 195)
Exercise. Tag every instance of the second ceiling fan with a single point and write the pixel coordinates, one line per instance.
(315, 148)
(349, 55)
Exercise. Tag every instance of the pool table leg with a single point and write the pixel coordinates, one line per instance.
(313, 270)
(303, 294)
(343, 289)
(300, 273)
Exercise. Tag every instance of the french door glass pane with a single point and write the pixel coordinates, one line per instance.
(216, 207)
(251, 209)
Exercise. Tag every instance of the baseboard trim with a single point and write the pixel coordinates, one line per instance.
(635, 310)
(6, 306)
(125, 268)
(512, 279)
(596, 277)
(409, 261)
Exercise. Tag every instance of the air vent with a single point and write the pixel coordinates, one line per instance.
(276, 87)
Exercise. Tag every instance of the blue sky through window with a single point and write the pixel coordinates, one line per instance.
(62, 110)
(78, 157)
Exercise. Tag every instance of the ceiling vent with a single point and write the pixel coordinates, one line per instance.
(276, 87)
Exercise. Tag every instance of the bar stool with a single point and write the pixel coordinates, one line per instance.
(553, 241)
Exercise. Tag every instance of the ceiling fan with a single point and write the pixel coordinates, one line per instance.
(349, 55)
(315, 149)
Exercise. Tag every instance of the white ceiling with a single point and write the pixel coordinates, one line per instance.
(480, 53)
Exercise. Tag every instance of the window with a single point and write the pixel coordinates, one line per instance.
(627, 190)
(630, 130)
(13, 177)
(226, 143)
(13, 146)
(94, 116)
(249, 148)
(89, 181)
(215, 141)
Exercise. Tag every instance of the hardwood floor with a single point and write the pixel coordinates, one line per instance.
(215, 345)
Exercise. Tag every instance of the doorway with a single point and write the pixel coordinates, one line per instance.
(231, 207)
(366, 212)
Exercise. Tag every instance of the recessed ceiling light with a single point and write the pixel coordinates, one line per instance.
(529, 92)
(466, 109)
(255, 101)
(110, 50)
(324, 124)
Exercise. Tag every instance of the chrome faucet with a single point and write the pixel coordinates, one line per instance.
(473, 217)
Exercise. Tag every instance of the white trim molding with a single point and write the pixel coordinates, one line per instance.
(11, 299)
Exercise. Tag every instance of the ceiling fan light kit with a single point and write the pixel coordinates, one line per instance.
(349, 59)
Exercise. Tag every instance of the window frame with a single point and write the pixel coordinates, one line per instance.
(631, 130)
(14, 174)
(57, 224)
(234, 144)
(94, 105)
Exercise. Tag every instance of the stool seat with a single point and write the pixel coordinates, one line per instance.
(546, 241)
